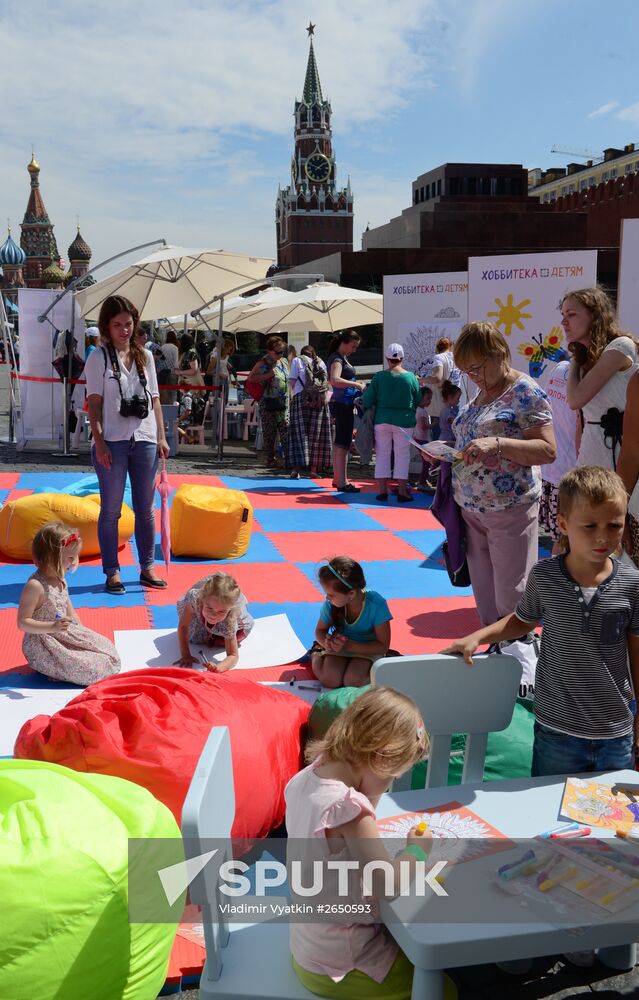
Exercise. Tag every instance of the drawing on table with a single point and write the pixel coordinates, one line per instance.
(598, 805)
(452, 822)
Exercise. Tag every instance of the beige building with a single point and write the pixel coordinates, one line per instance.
(548, 185)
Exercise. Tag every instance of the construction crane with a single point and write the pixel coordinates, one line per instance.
(581, 154)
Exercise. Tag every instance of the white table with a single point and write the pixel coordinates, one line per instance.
(519, 809)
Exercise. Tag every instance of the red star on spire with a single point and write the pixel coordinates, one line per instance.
(311, 28)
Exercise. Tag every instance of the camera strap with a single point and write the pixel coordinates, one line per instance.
(117, 372)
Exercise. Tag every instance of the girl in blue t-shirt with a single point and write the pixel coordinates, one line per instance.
(353, 628)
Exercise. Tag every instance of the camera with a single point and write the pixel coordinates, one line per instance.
(136, 406)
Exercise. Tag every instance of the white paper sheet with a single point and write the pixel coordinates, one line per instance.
(18, 705)
(271, 643)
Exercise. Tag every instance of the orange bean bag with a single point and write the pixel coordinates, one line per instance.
(150, 727)
(20, 519)
(209, 522)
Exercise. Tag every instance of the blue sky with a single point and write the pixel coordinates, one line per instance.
(158, 119)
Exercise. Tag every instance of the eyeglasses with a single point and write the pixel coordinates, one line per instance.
(278, 352)
(474, 370)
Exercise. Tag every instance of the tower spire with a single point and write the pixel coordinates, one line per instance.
(312, 86)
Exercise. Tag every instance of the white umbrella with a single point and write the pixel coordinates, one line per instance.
(176, 280)
(322, 307)
(240, 306)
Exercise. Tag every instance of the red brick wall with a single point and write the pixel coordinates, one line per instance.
(606, 205)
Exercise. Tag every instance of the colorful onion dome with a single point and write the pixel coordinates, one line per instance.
(53, 274)
(79, 249)
(11, 254)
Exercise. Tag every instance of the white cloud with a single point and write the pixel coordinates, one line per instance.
(605, 109)
(629, 114)
(153, 119)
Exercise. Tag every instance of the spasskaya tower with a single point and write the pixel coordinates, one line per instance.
(313, 217)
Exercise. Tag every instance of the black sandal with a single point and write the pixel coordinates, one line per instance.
(148, 581)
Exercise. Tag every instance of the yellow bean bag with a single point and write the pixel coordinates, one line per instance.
(20, 519)
(209, 522)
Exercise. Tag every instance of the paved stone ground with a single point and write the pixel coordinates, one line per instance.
(551, 978)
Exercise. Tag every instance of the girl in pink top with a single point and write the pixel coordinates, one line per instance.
(378, 737)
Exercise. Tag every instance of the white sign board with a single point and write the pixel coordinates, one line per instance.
(628, 296)
(42, 401)
(521, 295)
(420, 309)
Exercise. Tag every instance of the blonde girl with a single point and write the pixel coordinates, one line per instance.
(353, 628)
(331, 805)
(56, 643)
(215, 613)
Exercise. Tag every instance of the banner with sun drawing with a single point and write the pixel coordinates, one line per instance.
(521, 295)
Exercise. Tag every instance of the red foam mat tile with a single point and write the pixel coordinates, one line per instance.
(272, 499)
(426, 626)
(288, 672)
(8, 480)
(126, 557)
(177, 479)
(17, 494)
(11, 656)
(261, 582)
(403, 519)
(106, 621)
(361, 545)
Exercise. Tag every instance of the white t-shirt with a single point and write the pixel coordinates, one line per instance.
(297, 374)
(102, 382)
(564, 422)
(172, 355)
(594, 450)
(446, 363)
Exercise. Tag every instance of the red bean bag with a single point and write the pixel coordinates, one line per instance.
(150, 727)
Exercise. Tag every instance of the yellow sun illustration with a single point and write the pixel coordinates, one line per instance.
(510, 315)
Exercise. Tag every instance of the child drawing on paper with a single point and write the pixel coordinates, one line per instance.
(56, 643)
(451, 822)
(353, 628)
(215, 613)
(331, 803)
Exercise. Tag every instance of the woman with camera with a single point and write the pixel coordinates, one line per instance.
(603, 362)
(128, 432)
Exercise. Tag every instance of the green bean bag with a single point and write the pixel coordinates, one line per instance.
(508, 755)
(63, 882)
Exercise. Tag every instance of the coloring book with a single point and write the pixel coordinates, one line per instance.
(469, 835)
(612, 806)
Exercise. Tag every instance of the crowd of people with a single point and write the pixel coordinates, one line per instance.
(566, 459)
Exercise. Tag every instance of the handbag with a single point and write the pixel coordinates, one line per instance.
(272, 404)
(254, 389)
(458, 577)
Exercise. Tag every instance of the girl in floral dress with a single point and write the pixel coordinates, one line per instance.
(214, 613)
(56, 643)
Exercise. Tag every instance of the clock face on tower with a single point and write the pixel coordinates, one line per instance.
(318, 167)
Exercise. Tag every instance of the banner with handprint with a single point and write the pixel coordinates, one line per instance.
(521, 295)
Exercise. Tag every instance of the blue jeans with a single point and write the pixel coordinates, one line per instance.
(140, 460)
(557, 753)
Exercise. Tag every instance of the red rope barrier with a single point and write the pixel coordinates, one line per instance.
(81, 381)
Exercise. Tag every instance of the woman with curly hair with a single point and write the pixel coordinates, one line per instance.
(603, 361)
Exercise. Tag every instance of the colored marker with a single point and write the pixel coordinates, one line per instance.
(565, 826)
(550, 883)
(528, 856)
(515, 870)
(627, 835)
(309, 687)
(583, 831)
(421, 828)
(611, 896)
(543, 875)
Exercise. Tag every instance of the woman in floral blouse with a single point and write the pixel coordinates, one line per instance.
(272, 371)
(504, 434)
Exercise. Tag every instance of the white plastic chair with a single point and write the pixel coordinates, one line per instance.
(253, 961)
(250, 420)
(454, 698)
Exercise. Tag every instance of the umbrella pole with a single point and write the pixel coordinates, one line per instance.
(218, 358)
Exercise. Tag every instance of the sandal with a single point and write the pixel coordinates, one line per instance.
(150, 581)
(349, 488)
(382, 496)
(114, 586)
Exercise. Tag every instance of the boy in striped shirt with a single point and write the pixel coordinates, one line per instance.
(589, 658)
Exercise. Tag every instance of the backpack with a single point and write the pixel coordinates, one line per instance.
(315, 386)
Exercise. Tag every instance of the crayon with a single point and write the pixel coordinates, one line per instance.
(565, 826)
(627, 835)
(528, 856)
(583, 831)
(550, 883)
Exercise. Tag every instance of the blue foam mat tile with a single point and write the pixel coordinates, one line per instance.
(281, 487)
(12, 573)
(36, 682)
(163, 616)
(10, 594)
(86, 588)
(330, 519)
(365, 501)
(261, 550)
(44, 480)
(303, 615)
(400, 578)
(3, 496)
(427, 541)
